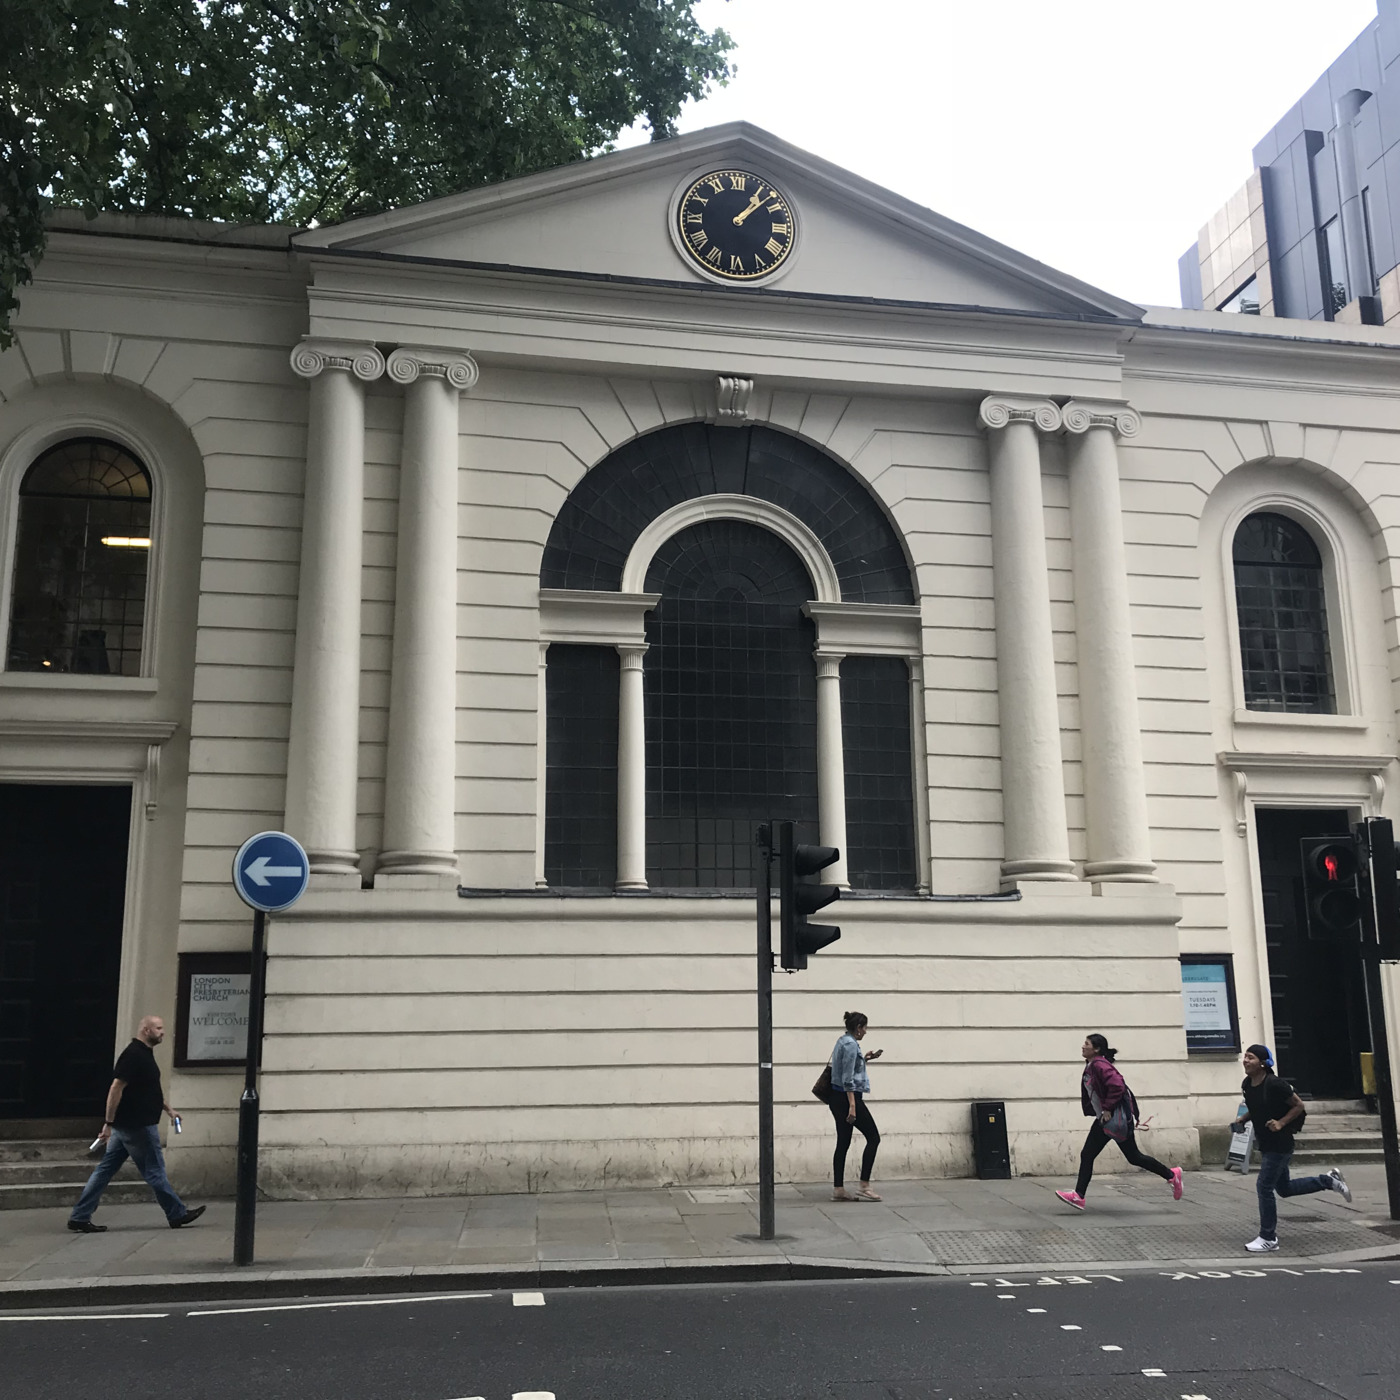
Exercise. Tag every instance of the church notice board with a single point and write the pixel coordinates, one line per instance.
(211, 1010)
(1208, 1008)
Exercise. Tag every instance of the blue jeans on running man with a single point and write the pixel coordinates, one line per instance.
(142, 1145)
(1273, 1176)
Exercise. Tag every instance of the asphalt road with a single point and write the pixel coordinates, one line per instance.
(1256, 1333)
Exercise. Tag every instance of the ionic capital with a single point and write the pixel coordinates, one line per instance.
(313, 356)
(1082, 414)
(998, 411)
(409, 362)
(631, 656)
(829, 664)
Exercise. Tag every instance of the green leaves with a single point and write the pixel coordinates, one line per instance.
(299, 112)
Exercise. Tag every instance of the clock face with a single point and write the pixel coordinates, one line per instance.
(735, 225)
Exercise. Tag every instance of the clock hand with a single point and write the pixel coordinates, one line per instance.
(753, 204)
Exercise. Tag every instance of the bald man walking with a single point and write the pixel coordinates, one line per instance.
(134, 1104)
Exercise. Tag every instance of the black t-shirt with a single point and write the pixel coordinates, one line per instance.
(1267, 1101)
(142, 1100)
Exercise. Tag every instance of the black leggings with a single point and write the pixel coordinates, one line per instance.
(839, 1109)
(1098, 1140)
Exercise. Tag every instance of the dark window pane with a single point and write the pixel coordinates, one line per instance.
(580, 811)
(879, 773)
(613, 504)
(82, 546)
(1281, 602)
(731, 703)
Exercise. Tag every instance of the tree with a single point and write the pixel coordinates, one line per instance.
(294, 111)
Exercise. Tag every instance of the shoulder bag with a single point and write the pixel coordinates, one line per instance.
(822, 1088)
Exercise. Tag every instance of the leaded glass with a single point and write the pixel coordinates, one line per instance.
(1282, 606)
(730, 703)
(82, 545)
(879, 773)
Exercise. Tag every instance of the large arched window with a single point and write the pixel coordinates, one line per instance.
(1280, 595)
(82, 544)
(727, 695)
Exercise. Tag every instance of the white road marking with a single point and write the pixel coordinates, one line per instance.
(1035, 1310)
(1195, 1397)
(1152, 1371)
(1110, 1348)
(533, 1395)
(341, 1303)
(83, 1317)
(529, 1300)
(1002, 1297)
(987, 1285)
(1070, 1327)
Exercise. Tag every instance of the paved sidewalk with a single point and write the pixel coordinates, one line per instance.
(921, 1227)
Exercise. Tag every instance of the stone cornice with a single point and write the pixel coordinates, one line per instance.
(998, 411)
(409, 362)
(313, 356)
(1082, 414)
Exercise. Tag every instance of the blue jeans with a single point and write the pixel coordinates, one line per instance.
(1273, 1176)
(142, 1145)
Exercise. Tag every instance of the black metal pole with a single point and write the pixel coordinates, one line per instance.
(1380, 1060)
(246, 1202)
(766, 1223)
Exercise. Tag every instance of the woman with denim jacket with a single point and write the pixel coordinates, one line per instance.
(849, 1086)
(1101, 1090)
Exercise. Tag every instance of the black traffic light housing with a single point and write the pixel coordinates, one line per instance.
(798, 898)
(1332, 893)
(1377, 837)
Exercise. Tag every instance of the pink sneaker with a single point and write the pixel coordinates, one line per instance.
(1178, 1185)
(1071, 1198)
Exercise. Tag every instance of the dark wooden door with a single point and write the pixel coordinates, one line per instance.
(1318, 995)
(62, 890)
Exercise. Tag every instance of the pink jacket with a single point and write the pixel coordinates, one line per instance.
(1102, 1088)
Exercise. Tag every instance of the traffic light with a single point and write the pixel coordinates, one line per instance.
(1381, 852)
(797, 899)
(1329, 883)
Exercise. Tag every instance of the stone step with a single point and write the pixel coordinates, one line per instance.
(62, 1195)
(1315, 1155)
(1314, 1142)
(22, 1129)
(1330, 1106)
(1326, 1124)
(45, 1150)
(23, 1173)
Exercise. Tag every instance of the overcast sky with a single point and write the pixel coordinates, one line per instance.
(1095, 135)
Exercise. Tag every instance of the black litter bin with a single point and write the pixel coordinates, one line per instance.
(990, 1149)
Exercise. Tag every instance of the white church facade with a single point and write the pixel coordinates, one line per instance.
(519, 552)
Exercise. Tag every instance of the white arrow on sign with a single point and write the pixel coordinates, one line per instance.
(259, 871)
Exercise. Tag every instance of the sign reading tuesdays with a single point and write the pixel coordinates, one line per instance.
(1205, 996)
(218, 1018)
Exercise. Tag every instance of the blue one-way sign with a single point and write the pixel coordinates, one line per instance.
(270, 871)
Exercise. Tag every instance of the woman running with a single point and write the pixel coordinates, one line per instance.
(1101, 1091)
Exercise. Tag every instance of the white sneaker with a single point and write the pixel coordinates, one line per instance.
(1338, 1183)
(1259, 1245)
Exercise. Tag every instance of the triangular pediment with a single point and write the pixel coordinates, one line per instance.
(615, 216)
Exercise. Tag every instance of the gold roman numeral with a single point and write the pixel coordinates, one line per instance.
(698, 239)
(715, 183)
(736, 263)
(694, 218)
(778, 208)
(713, 256)
(738, 182)
(773, 246)
(783, 229)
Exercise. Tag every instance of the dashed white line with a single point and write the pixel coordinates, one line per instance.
(1006, 1297)
(529, 1300)
(1110, 1348)
(84, 1317)
(340, 1303)
(533, 1395)
(1152, 1371)
(1070, 1327)
(1035, 1310)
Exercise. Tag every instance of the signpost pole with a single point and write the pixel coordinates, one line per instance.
(767, 1224)
(246, 1202)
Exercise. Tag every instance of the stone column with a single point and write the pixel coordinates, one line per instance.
(419, 799)
(918, 747)
(631, 772)
(831, 766)
(1115, 791)
(1036, 833)
(541, 762)
(323, 745)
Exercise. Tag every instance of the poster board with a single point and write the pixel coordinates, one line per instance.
(211, 1010)
(1208, 1011)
